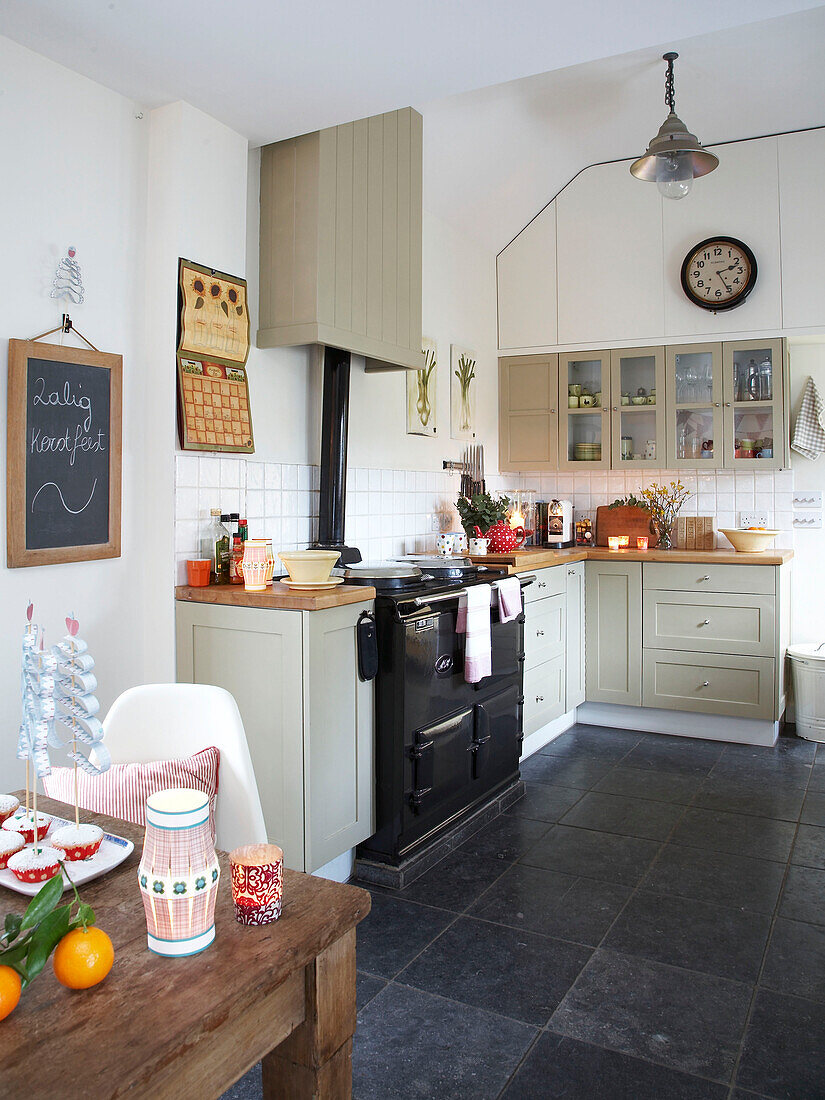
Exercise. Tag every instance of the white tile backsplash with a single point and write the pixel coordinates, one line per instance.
(389, 512)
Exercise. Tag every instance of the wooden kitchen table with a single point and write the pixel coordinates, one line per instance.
(158, 1027)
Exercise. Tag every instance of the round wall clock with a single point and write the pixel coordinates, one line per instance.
(719, 273)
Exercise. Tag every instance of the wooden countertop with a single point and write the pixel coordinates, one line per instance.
(522, 561)
(277, 597)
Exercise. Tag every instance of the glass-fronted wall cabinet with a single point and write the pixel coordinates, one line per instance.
(754, 410)
(584, 404)
(637, 382)
(694, 406)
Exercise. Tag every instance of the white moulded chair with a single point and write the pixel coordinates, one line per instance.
(169, 721)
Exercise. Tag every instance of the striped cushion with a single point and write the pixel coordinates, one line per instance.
(122, 790)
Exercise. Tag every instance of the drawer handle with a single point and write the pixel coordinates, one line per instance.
(539, 698)
(705, 578)
(706, 684)
(706, 622)
(539, 633)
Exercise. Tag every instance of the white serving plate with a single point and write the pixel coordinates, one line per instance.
(111, 853)
(308, 586)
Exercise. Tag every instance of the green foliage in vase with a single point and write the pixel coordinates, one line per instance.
(630, 501)
(481, 510)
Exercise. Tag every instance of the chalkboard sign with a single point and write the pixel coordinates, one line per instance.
(64, 450)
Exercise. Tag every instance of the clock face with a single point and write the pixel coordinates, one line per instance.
(719, 273)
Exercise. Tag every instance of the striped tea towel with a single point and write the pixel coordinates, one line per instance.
(809, 430)
(509, 599)
(474, 621)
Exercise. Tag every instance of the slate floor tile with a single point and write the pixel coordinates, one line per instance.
(583, 774)
(753, 884)
(680, 755)
(795, 963)
(602, 856)
(544, 802)
(761, 797)
(580, 1071)
(737, 834)
(366, 987)
(794, 773)
(504, 839)
(813, 808)
(580, 744)
(412, 1046)
(599, 735)
(553, 904)
(786, 748)
(809, 846)
(611, 813)
(454, 883)
(784, 1055)
(393, 932)
(688, 1021)
(655, 785)
(692, 934)
(248, 1087)
(515, 973)
(804, 895)
(817, 778)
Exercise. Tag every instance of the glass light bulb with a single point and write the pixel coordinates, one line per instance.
(674, 175)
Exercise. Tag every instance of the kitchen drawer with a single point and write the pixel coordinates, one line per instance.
(709, 683)
(548, 582)
(722, 624)
(543, 694)
(690, 577)
(544, 623)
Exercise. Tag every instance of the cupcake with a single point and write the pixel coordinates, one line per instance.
(8, 804)
(35, 864)
(77, 841)
(9, 844)
(23, 822)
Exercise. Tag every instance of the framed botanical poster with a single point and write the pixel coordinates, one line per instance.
(421, 392)
(462, 392)
(63, 454)
(214, 411)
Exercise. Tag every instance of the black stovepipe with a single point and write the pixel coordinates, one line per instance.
(334, 430)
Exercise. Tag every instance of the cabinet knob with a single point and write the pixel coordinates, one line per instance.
(705, 578)
(539, 633)
(606, 410)
(571, 572)
(716, 404)
(539, 698)
(615, 408)
(542, 584)
(705, 623)
(552, 412)
(706, 684)
(727, 404)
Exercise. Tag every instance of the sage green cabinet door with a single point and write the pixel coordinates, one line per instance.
(613, 632)
(710, 683)
(756, 428)
(256, 655)
(339, 777)
(528, 421)
(544, 630)
(693, 391)
(638, 407)
(543, 694)
(574, 694)
(584, 427)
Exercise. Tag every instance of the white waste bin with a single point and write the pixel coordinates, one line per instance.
(808, 663)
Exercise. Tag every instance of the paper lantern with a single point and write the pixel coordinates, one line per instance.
(179, 872)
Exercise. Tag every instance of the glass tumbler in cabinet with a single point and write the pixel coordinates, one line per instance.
(754, 404)
(694, 406)
(637, 378)
(584, 407)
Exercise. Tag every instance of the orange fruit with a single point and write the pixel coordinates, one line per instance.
(83, 958)
(10, 986)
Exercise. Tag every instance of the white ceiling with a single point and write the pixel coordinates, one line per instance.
(495, 157)
(276, 68)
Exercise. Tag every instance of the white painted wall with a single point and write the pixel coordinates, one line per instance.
(74, 172)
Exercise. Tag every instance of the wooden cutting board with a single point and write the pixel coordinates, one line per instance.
(624, 520)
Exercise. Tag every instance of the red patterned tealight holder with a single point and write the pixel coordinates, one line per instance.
(257, 882)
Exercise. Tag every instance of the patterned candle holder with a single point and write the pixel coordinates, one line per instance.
(257, 883)
(641, 542)
(179, 873)
(613, 542)
(624, 542)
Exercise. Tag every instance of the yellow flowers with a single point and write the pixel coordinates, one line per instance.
(665, 502)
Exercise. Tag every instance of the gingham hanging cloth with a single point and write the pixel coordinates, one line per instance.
(809, 430)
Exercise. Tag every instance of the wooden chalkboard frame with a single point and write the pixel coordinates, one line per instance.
(17, 554)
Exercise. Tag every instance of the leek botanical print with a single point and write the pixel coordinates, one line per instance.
(462, 393)
(421, 391)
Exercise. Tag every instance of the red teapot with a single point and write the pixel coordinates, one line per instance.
(502, 538)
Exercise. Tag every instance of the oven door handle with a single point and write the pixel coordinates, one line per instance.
(440, 597)
(481, 733)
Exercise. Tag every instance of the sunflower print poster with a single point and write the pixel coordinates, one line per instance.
(214, 318)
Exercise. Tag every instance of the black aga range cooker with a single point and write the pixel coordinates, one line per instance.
(444, 748)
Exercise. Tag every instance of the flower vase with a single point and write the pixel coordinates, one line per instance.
(179, 873)
(665, 532)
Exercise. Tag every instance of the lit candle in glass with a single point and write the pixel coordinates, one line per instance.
(613, 542)
(624, 541)
(257, 872)
(516, 519)
(641, 542)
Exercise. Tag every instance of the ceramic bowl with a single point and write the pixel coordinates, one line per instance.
(309, 566)
(748, 542)
(639, 400)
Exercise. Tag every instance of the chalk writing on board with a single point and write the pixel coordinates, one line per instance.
(67, 454)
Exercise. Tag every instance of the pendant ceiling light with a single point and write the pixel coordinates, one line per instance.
(674, 157)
